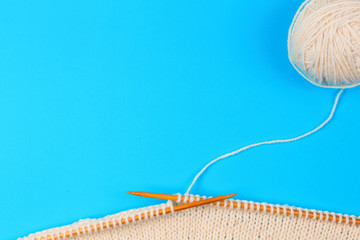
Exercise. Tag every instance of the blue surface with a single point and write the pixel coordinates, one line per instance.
(102, 97)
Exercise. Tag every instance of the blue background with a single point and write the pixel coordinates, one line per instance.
(102, 97)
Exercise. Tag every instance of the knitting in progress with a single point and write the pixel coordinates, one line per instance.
(324, 47)
(229, 219)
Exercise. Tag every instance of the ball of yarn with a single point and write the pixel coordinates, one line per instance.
(324, 42)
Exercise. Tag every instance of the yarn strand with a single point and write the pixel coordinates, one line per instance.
(269, 142)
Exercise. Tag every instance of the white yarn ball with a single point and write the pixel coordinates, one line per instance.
(324, 42)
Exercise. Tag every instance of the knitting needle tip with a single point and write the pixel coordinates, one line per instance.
(154, 195)
(231, 195)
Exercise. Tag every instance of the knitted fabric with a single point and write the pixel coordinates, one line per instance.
(210, 222)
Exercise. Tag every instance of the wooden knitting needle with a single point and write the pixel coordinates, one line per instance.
(172, 197)
(178, 207)
(186, 205)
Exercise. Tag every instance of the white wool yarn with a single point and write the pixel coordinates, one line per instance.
(324, 42)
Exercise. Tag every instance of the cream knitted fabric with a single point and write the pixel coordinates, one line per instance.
(210, 222)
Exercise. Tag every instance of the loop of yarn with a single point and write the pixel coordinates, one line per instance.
(324, 42)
